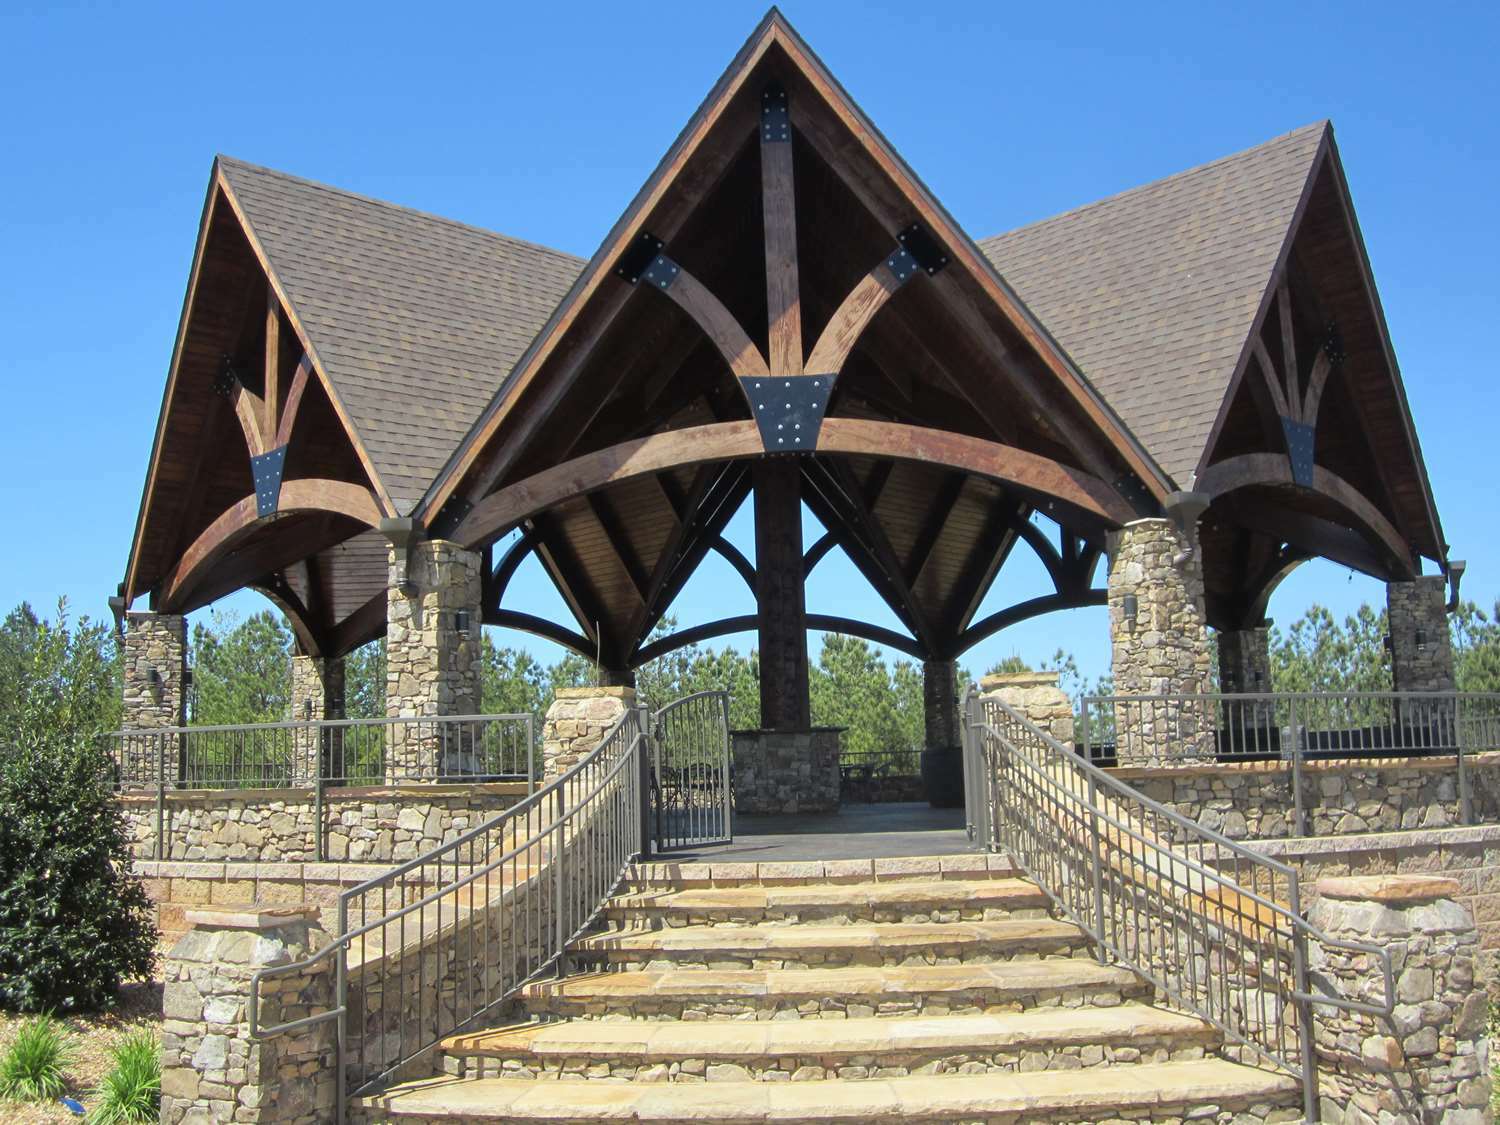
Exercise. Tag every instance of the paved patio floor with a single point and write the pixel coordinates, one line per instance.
(854, 832)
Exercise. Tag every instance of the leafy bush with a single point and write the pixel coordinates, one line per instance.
(73, 922)
(31, 1070)
(130, 1092)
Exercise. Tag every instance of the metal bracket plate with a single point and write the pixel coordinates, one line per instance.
(1136, 494)
(450, 515)
(1333, 344)
(266, 471)
(226, 378)
(661, 272)
(1299, 448)
(634, 261)
(775, 120)
(789, 409)
(925, 250)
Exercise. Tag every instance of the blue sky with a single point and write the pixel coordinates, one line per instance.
(542, 120)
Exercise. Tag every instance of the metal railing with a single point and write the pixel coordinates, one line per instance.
(434, 945)
(1215, 927)
(690, 775)
(317, 754)
(1295, 728)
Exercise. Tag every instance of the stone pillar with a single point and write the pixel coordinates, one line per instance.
(211, 1070)
(155, 671)
(1245, 660)
(1037, 696)
(779, 596)
(940, 704)
(785, 771)
(1421, 651)
(1159, 643)
(577, 722)
(432, 657)
(1431, 1061)
(317, 694)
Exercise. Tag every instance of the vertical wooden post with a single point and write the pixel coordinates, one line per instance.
(779, 206)
(781, 607)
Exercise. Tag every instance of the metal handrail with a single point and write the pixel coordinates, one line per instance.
(1215, 937)
(492, 948)
(1294, 728)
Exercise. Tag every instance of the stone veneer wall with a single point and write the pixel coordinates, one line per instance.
(1245, 660)
(1413, 607)
(577, 722)
(1163, 648)
(431, 665)
(786, 771)
(1253, 800)
(363, 825)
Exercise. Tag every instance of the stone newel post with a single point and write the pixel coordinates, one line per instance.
(576, 723)
(1159, 642)
(1430, 1063)
(155, 672)
(1037, 696)
(211, 1070)
(433, 631)
(317, 694)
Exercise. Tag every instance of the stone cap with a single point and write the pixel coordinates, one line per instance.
(617, 691)
(996, 680)
(1389, 888)
(247, 916)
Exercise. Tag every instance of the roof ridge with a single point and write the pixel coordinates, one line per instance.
(1185, 174)
(223, 159)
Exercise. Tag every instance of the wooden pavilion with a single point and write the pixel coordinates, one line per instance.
(365, 400)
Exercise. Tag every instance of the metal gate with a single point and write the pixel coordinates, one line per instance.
(690, 784)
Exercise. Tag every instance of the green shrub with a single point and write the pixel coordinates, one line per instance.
(131, 1092)
(31, 1070)
(74, 923)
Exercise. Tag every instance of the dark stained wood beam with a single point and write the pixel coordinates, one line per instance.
(541, 627)
(1252, 469)
(685, 509)
(850, 319)
(1317, 379)
(712, 517)
(360, 627)
(271, 398)
(293, 405)
(315, 495)
(932, 527)
(780, 596)
(718, 324)
(1289, 371)
(1271, 378)
(779, 208)
(1318, 537)
(298, 618)
(735, 558)
(822, 622)
(988, 556)
(1023, 611)
(506, 568)
(1088, 496)
(568, 576)
(826, 542)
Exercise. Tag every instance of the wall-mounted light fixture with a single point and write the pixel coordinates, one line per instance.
(187, 679)
(1421, 639)
(461, 620)
(307, 708)
(153, 682)
(1131, 606)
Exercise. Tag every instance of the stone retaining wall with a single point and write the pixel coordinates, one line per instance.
(778, 772)
(364, 824)
(1253, 800)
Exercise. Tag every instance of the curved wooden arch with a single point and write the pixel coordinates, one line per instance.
(1023, 611)
(850, 319)
(748, 622)
(1251, 469)
(727, 441)
(305, 495)
(735, 558)
(540, 627)
(296, 619)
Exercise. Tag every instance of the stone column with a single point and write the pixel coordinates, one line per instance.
(577, 722)
(317, 694)
(211, 1070)
(1245, 660)
(154, 677)
(1421, 651)
(1431, 1061)
(779, 595)
(1159, 642)
(432, 657)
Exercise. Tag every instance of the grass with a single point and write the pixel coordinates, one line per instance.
(95, 1039)
(31, 1069)
(131, 1092)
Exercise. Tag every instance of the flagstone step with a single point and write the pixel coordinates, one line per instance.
(1211, 1090)
(856, 1049)
(673, 875)
(789, 947)
(835, 993)
(924, 900)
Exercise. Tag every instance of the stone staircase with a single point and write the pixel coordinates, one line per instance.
(884, 990)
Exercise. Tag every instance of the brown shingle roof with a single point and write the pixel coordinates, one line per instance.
(1153, 292)
(415, 319)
